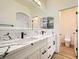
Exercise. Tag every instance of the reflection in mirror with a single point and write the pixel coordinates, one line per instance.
(47, 23)
(36, 22)
(22, 20)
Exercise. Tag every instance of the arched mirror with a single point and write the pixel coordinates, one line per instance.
(22, 20)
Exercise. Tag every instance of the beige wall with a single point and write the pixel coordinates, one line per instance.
(68, 23)
(8, 10)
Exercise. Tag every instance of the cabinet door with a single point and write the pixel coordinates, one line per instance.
(44, 53)
(34, 55)
(51, 47)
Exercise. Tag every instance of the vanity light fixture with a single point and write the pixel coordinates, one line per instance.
(37, 2)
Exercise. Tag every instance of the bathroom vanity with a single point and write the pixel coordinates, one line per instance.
(37, 47)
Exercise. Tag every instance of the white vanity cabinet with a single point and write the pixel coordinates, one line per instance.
(43, 52)
(50, 50)
(34, 55)
(42, 49)
(51, 47)
(21, 54)
(24, 52)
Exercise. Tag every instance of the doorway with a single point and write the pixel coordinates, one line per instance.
(68, 35)
(36, 22)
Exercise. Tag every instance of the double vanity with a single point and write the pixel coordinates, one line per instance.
(33, 47)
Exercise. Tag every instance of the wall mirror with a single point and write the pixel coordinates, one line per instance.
(47, 23)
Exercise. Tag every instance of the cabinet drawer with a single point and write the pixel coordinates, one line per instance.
(44, 49)
(42, 43)
(49, 45)
(50, 49)
(34, 55)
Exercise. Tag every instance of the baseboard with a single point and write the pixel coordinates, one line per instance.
(55, 52)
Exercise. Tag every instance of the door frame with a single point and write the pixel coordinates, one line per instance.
(59, 18)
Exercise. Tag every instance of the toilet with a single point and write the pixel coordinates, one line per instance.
(67, 40)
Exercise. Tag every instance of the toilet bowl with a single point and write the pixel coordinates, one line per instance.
(67, 42)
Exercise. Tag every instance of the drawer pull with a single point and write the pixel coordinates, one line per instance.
(44, 52)
(49, 56)
(49, 47)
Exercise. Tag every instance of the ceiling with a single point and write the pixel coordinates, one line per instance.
(33, 7)
(47, 5)
(30, 3)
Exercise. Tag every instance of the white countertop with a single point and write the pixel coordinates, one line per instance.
(19, 43)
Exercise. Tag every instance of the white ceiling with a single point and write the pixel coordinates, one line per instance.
(47, 5)
(34, 8)
(29, 3)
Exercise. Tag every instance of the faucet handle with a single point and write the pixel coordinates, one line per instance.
(8, 35)
(42, 32)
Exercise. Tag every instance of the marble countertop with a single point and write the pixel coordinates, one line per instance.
(19, 43)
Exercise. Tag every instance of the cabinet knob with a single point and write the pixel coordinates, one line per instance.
(32, 44)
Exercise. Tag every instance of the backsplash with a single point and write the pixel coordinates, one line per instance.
(15, 34)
